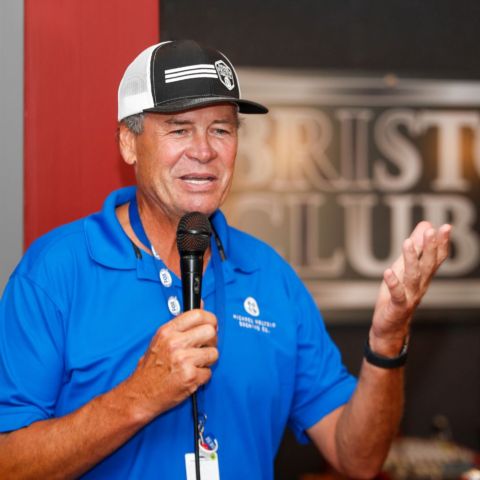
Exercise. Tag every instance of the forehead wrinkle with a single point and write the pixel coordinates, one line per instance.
(178, 121)
(224, 120)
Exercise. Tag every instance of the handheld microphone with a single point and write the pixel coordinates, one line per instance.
(193, 238)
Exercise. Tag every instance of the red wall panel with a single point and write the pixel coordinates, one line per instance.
(75, 54)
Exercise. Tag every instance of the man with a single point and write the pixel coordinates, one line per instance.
(97, 361)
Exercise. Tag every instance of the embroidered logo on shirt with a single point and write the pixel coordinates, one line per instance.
(251, 321)
(251, 306)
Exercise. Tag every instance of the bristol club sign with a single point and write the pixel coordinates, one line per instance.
(340, 171)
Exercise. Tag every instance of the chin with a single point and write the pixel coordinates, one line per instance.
(202, 207)
(206, 211)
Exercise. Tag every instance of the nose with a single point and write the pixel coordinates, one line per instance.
(201, 148)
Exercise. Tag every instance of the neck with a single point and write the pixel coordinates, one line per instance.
(160, 228)
(161, 231)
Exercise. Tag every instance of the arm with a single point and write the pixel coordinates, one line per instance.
(356, 438)
(174, 366)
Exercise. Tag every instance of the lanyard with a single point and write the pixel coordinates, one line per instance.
(217, 257)
(136, 223)
(202, 440)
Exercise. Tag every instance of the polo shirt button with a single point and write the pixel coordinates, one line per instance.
(173, 305)
(165, 277)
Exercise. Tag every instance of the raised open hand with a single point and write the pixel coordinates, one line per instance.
(405, 283)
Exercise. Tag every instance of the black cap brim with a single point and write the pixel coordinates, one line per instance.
(244, 106)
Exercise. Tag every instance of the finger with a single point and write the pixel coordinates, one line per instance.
(428, 260)
(204, 357)
(204, 376)
(196, 357)
(395, 287)
(200, 336)
(417, 236)
(193, 318)
(443, 240)
(411, 276)
(169, 339)
(191, 377)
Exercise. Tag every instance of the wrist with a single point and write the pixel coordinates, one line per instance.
(387, 346)
(392, 354)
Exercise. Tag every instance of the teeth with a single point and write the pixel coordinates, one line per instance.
(197, 181)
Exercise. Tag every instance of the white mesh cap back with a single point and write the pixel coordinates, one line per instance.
(135, 89)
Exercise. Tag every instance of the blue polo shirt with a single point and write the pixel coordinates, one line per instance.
(82, 306)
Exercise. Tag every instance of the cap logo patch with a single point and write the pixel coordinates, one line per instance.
(225, 74)
(191, 71)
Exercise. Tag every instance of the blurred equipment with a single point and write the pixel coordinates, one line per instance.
(413, 458)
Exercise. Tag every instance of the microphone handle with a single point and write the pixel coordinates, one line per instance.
(191, 267)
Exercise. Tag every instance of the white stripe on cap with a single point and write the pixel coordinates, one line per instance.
(190, 71)
(190, 67)
(187, 77)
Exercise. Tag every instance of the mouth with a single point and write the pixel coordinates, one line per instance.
(199, 180)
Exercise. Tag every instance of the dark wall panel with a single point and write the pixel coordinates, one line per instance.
(436, 38)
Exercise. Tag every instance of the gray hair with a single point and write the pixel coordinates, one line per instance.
(134, 123)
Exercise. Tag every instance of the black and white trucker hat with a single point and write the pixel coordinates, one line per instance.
(178, 75)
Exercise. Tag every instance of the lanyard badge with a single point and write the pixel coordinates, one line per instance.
(208, 446)
(207, 442)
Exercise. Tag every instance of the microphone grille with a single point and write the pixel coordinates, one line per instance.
(193, 233)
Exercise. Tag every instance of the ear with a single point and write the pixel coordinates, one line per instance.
(127, 142)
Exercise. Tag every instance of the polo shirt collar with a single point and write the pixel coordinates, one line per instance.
(238, 258)
(109, 245)
(107, 242)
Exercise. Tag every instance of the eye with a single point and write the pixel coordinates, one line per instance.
(179, 132)
(221, 131)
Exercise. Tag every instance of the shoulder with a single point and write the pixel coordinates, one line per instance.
(253, 254)
(49, 260)
(95, 238)
(47, 269)
(53, 246)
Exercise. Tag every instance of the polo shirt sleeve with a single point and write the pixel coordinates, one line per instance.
(322, 382)
(31, 359)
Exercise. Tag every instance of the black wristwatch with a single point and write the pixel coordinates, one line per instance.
(386, 362)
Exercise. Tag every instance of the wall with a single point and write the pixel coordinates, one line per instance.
(76, 53)
(11, 135)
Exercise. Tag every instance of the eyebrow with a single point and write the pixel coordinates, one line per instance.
(176, 121)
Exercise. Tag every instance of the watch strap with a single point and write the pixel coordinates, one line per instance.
(386, 362)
